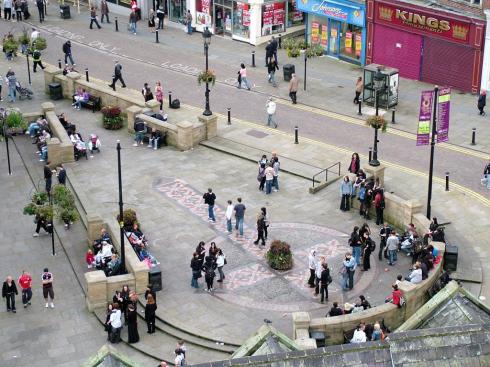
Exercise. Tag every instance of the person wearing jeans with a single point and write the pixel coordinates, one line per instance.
(188, 19)
(139, 132)
(209, 198)
(25, 282)
(229, 213)
(133, 18)
(269, 178)
(275, 179)
(392, 245)
(239, 216)
(271, 111)
(9, 290)
(220, 262)
(348, 275)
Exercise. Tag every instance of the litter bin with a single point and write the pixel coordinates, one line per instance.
(65, 11)
(288, 70)
(155, 278)
(451, 258)
(55, 91)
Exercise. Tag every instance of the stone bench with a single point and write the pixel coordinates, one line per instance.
(60, 147)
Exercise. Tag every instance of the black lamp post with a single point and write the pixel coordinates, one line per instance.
(121, 222)
(206, 35)
(378, 81)
(5, 135)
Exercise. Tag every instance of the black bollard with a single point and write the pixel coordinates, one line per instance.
(117, 25)
(370, 154)
(359, 105)
(229, 116)
(280, 42)
(28, 68)
(156, 36)
(473, 136)
(253, 58)
(169, 99)
(59, 63)
(296, 135)
(393, 117)
(86, 74)
(447, 181)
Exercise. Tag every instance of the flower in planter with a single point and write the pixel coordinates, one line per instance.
(377, 122)
(111, 118)
(206, 77)
(279, 256)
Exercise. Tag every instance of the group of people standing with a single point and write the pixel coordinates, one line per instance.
(207, 264)
(268, 175)
(320, 276)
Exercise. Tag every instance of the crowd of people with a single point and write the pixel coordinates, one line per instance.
(268, 175)
(207, 265)
(103, 256)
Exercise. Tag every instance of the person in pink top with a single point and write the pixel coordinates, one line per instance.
(243, 77)
(159, 94)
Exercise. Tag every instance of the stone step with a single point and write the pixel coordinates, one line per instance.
(161, 345)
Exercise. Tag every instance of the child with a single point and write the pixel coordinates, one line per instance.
(90, 259)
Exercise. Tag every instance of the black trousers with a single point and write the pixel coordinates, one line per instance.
(324, 292)
(311, 280)
(481, 110)
(7, 13)
(10, 299)
(115, 79)
(356, 98)
(351, 278)
(379, 216)
(381, 248)
(36, 63)
(151, 324)
(92, 20)
(40, 9)
(260, 237)
(160, 23)
(18, 15)
(106, 18)
(344, 203)
(292, 95)
(40, 225)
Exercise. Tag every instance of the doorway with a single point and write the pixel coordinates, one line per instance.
(223, 19)
(333, 37)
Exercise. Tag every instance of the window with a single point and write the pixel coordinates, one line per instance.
(241, 19)
(273, 16)
(351, 41)
(204, 13)
(295, 16)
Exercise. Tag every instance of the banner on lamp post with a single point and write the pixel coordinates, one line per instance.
(443, 105)
(425, 116)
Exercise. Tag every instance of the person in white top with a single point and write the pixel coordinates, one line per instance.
(269, 176)
(312, 266)
(106, 249)
(359, 334)
(116, 324)
(318, 274)
(229, 214)
(220, 262)
(243, 77)
(34, 34)
(415, 276)
(271, 111)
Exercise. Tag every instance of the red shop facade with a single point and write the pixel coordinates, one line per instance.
(425, 44)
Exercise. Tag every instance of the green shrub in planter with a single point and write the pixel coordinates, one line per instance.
(293, 52)
(279, 256)
(63, 197)
(40, 198)
(39, 43)
(30, 209)
(45, 212)
(15, 122)
(129, 218)
(68, 215)
(111, 118)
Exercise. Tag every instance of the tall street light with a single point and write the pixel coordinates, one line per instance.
(206, 35)
(6, 137)
(121, 221)
(378, 81)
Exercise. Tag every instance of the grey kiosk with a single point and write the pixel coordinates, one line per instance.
(381, 82)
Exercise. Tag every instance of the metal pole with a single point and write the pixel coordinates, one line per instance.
(280, 42)
(169, 99)
(207, 111)
(473, 136)
(117, 25)
(370, 153)
(28, 68)
(156, 36)
(253, 58)
(393, 117)
(229, 116)
(7, 146)
(59, 63)
(359, 105)
(296, 135)
(52, 223)
(374, 162)
(447, 181)
(304, 81)
(121, 222)
(86, 74)
(432, 146)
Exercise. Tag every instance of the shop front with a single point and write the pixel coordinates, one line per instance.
(425, 44)
(339, 26)
(252, 22)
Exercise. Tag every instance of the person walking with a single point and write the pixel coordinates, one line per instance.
(348, 270)
(260, 229)
(104, 11)
(188, 20)
(384, 233)
(209, 273)
(7, 9)
(358, 90)
(242, 77)
(48, 292)
(271, 111)
(228, 215)
(275, 180)
(93, 17)
(117, 76)
(209, 198)
(220, 262)
(12, 81)
(325, 280)
(48, 175)
(271, 70)
(160, 16)
(196, 267)
(133, 19)
(151, 21)
(486, 175)
(239, 215)
(482, 102)
(115, 324)
(269, 178)
(25, 282)
(150, 310)
(379, 205)
(9, 291)
(345, 192)
(293, 87)
(392, 245)
(312, 267)
(36, 60)
(159, 94)
(40, 9)
(67, 52)
(133, 335)
(266, 221)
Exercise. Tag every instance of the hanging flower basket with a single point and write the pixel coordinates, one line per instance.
(206, 77)
(377, 122)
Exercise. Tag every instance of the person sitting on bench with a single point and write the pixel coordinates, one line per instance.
(155, 137)
(82, 96)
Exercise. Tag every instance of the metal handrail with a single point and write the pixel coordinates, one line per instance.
(326, 172)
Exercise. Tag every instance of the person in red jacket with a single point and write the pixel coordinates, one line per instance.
(25, 282)
(396, 296)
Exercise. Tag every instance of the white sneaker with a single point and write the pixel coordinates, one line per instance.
(141, 143)
(35, 235)
(149, 145)
(154, 148)
(52, 305)
(135, 144)
(46, 305)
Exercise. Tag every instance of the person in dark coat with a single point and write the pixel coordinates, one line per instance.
(9, 291)
(482, 102)
(325, 280)
(48, 177)
(62, 176)
(209, 273)
(196, 267)
(201, 253)
(150, 310)
(133, 336)
(355, 164)
(117, 76)
(125, 301)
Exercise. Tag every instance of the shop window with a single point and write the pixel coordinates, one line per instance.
(351, 41)
(273, 17)
(241, 19)
(319, 32)
(177, 10)
(295, 16)
(204, 12)
(125, 3)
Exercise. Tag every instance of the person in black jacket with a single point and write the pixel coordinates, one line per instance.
(62, 176)
(260, 229)
(325, 280)
(209, 198)
(196, 267)
(117, 76)
(9, 290)
(48, 177)
(482, 102)
(40, 9)
(67, 52)
(271, 69)
(150, 310)
(335, 310)
(209, 273)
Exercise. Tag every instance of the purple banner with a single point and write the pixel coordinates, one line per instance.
(444, 102)
(425, 115)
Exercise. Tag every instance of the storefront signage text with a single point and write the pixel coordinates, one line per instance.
(424, 22)
(352, 13)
